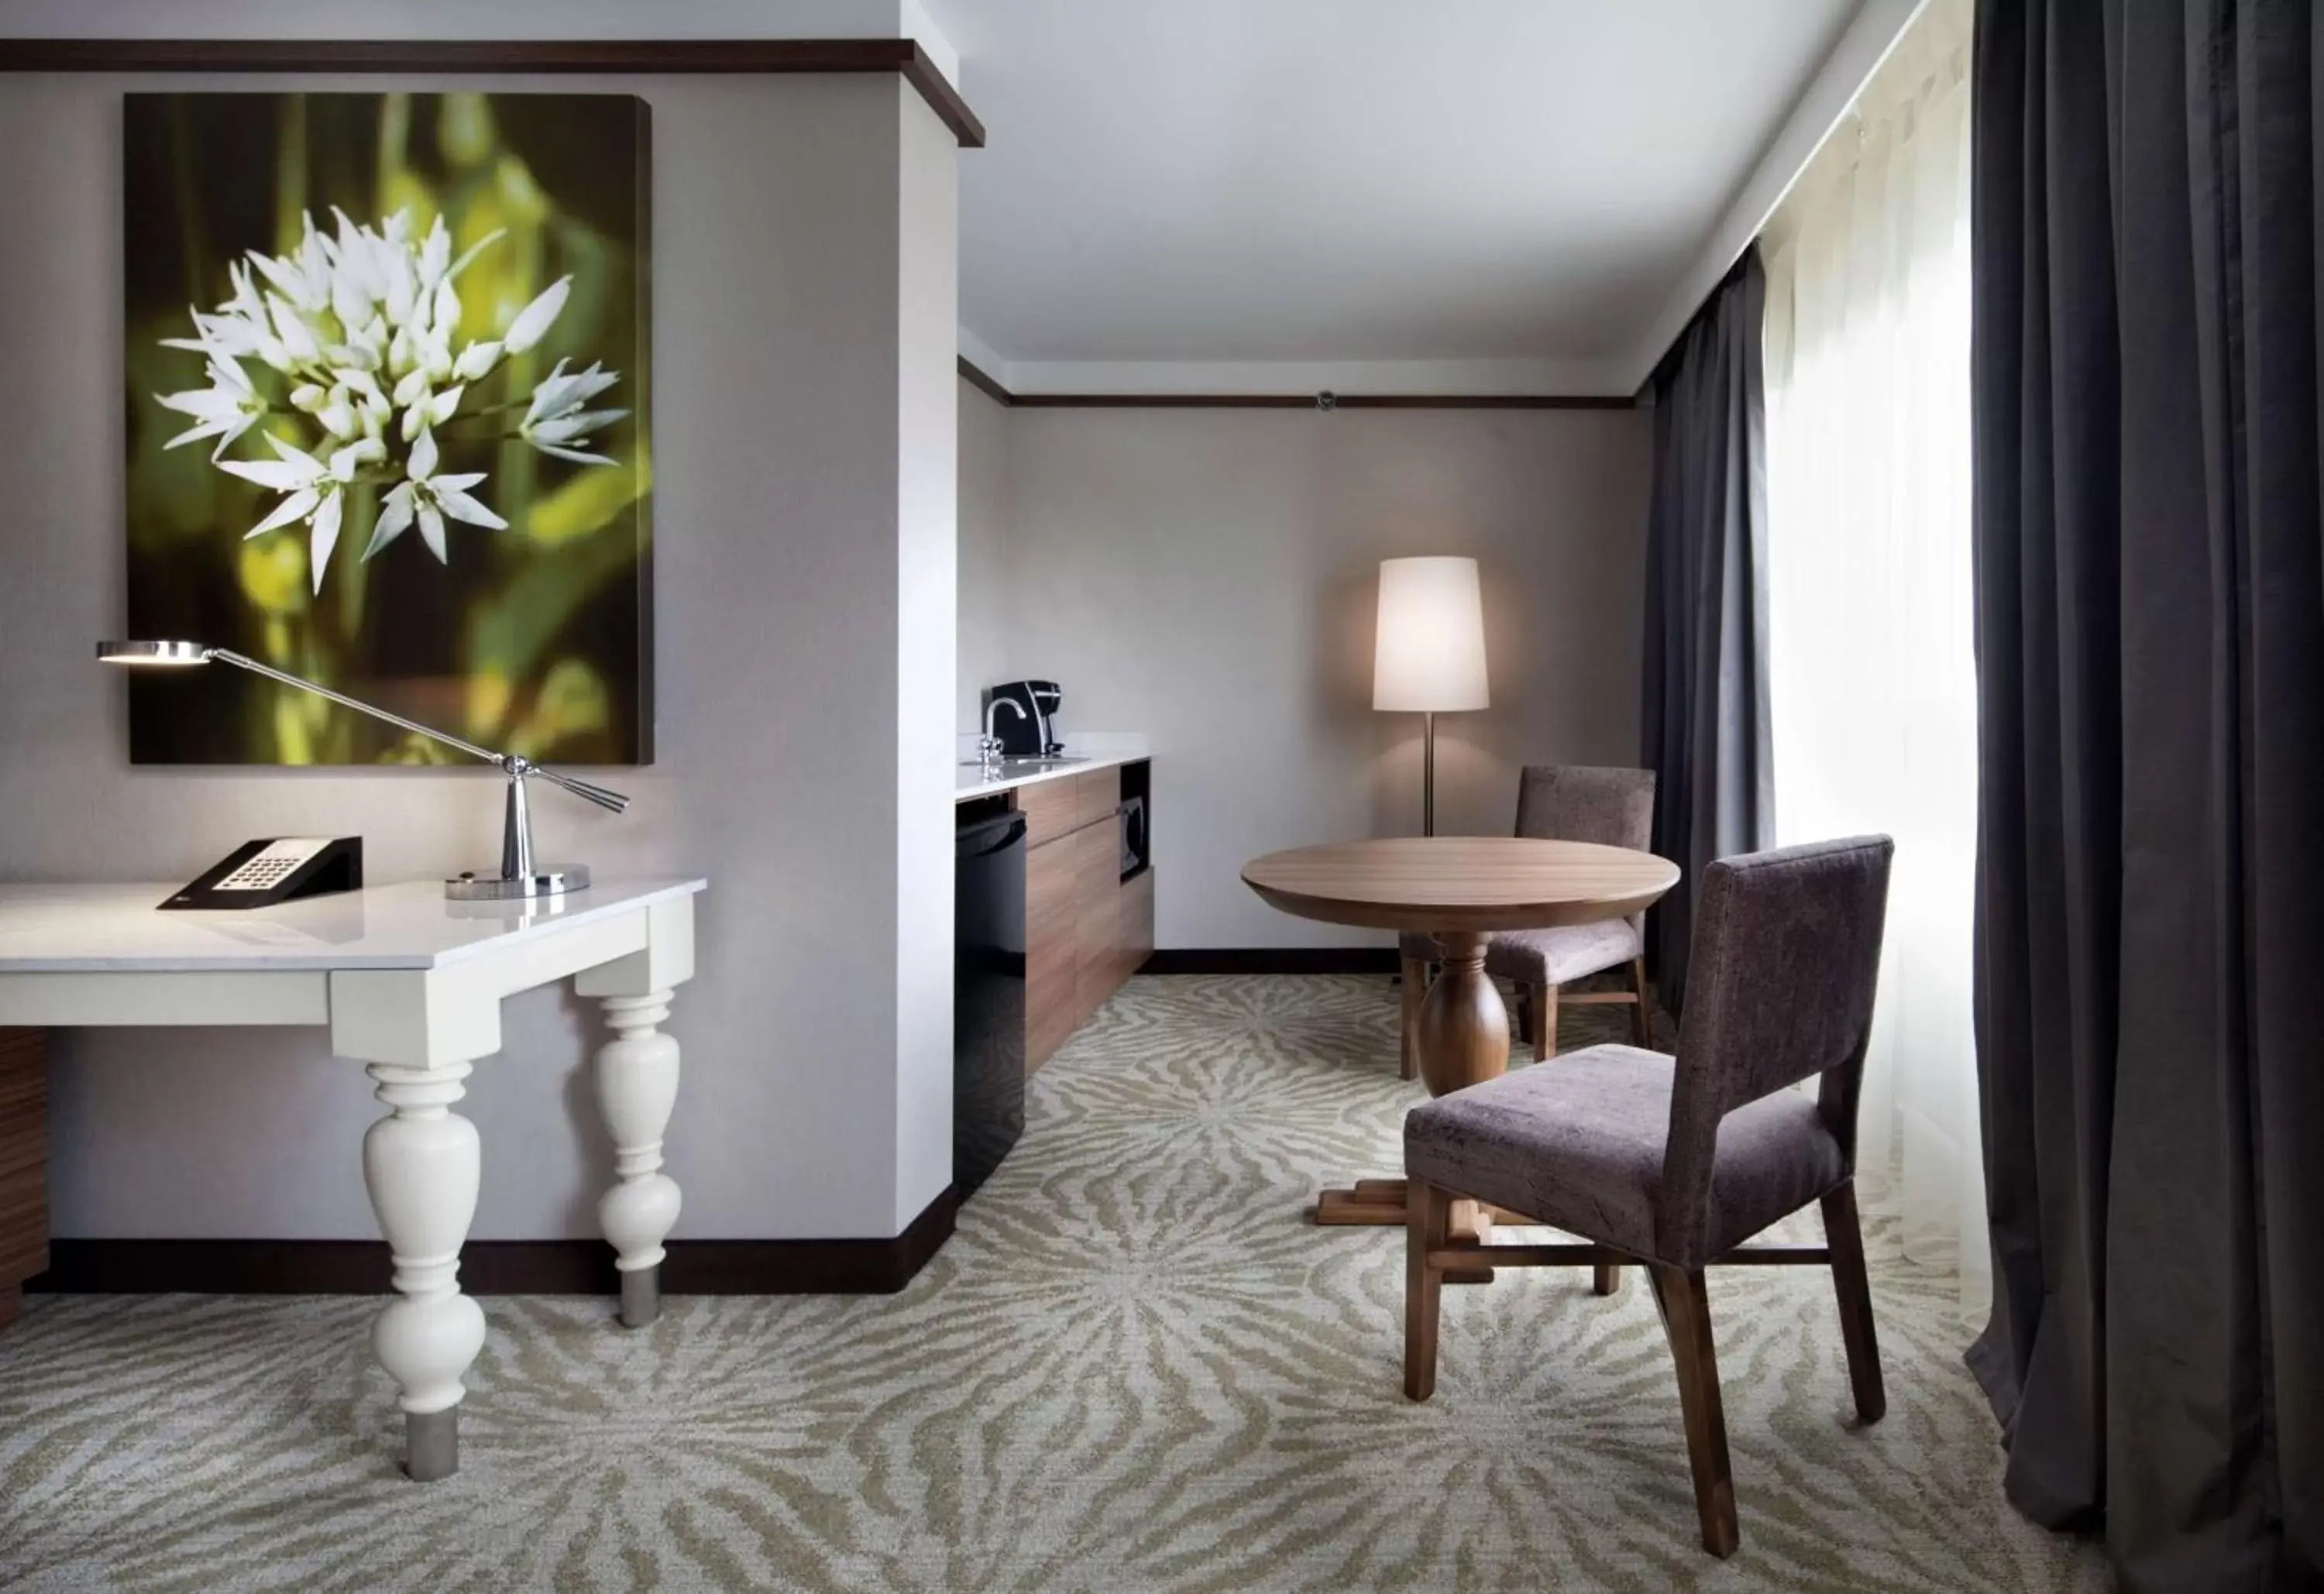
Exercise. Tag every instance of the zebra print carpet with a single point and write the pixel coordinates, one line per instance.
(1133, 1369)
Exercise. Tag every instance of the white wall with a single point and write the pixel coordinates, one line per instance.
(927, 429)
(804, 693)
(1207, 576)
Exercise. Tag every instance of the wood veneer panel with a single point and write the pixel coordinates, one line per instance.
(1097, 873)
(1051, 808)
(1052, 932)
(1136, 922)
(1097, 796)
(23, 1160)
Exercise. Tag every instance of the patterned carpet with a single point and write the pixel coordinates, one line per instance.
(1132, 1369)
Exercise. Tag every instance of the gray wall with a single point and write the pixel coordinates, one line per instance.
(803, 741)
(1207, 577)
(983, 549)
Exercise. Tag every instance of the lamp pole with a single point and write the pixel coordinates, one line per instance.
(1429, 772)
(519, 875)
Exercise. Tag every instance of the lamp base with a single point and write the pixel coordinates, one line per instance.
(495, 888)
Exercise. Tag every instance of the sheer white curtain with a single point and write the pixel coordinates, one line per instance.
(1872, 679)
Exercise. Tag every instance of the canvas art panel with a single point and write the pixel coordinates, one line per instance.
(386, 361)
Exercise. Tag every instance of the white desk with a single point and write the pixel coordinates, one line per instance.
(410, 985)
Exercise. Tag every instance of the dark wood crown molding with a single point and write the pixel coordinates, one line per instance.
(903, 57)
(982, 381)
(977, 378)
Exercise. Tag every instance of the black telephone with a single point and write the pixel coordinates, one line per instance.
(276, 868)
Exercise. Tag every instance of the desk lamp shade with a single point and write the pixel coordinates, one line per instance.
(1430, 655)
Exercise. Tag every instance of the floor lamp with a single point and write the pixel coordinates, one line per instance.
(1429, 658)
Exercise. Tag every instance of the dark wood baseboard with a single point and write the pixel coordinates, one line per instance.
(1272, 960)
(496, 1266)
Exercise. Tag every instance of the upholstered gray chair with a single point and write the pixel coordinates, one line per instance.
(1560, 803)
(1676, 1161)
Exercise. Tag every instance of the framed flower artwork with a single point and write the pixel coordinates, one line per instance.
(386, 361)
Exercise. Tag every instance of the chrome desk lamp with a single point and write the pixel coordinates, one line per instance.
(519, 877)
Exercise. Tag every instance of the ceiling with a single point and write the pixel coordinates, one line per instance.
(1239, 196)
(1280, 182)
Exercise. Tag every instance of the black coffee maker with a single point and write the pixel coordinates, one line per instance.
(1031, 731)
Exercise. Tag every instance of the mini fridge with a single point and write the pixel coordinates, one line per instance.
(988, 1045)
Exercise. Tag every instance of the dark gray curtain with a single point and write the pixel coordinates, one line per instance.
(2150, 592)
(1706, 646)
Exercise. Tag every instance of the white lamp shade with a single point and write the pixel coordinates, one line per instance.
(1430, 657)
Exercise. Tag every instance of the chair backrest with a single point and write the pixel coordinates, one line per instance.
(1613, 806)
(1584, 802)
(1780, 985)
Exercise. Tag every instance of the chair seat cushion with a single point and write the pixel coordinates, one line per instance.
(1577, 1143)
(1545, 957)
(1553, 957)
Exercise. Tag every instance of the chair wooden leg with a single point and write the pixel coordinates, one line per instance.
(1605, 1277)
(1844, 1238)
(1686, 1319)
(1545, 1037)
(1427, 1226)
(1415, 990)
(1642, 1016)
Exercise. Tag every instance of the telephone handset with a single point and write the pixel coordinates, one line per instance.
(277, 869)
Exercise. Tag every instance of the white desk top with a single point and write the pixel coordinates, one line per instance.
(103, 929)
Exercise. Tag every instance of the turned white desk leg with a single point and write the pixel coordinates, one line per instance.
(421, 1164)
(637, 1086)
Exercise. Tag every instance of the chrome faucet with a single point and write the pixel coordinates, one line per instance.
(988, 746)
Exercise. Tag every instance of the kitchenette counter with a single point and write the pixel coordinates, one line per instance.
(1091, 753)
(1077, 890)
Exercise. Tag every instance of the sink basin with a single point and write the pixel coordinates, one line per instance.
(1028, 764)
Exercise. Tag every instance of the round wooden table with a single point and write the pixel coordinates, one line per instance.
(1457, 889)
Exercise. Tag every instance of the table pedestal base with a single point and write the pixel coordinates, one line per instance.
(1462, 1036)
(1381, 1203)
(1370, 1202)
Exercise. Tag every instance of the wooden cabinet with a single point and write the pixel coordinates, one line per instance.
(1097, 796)
(1052, 809)
(1086, 929)
(23, 1165)
(1052, 940)
(1136, 924)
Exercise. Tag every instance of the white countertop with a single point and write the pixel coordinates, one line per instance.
(110, 928)
(1094, 751)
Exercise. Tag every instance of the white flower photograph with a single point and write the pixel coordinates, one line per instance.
(387, 395)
